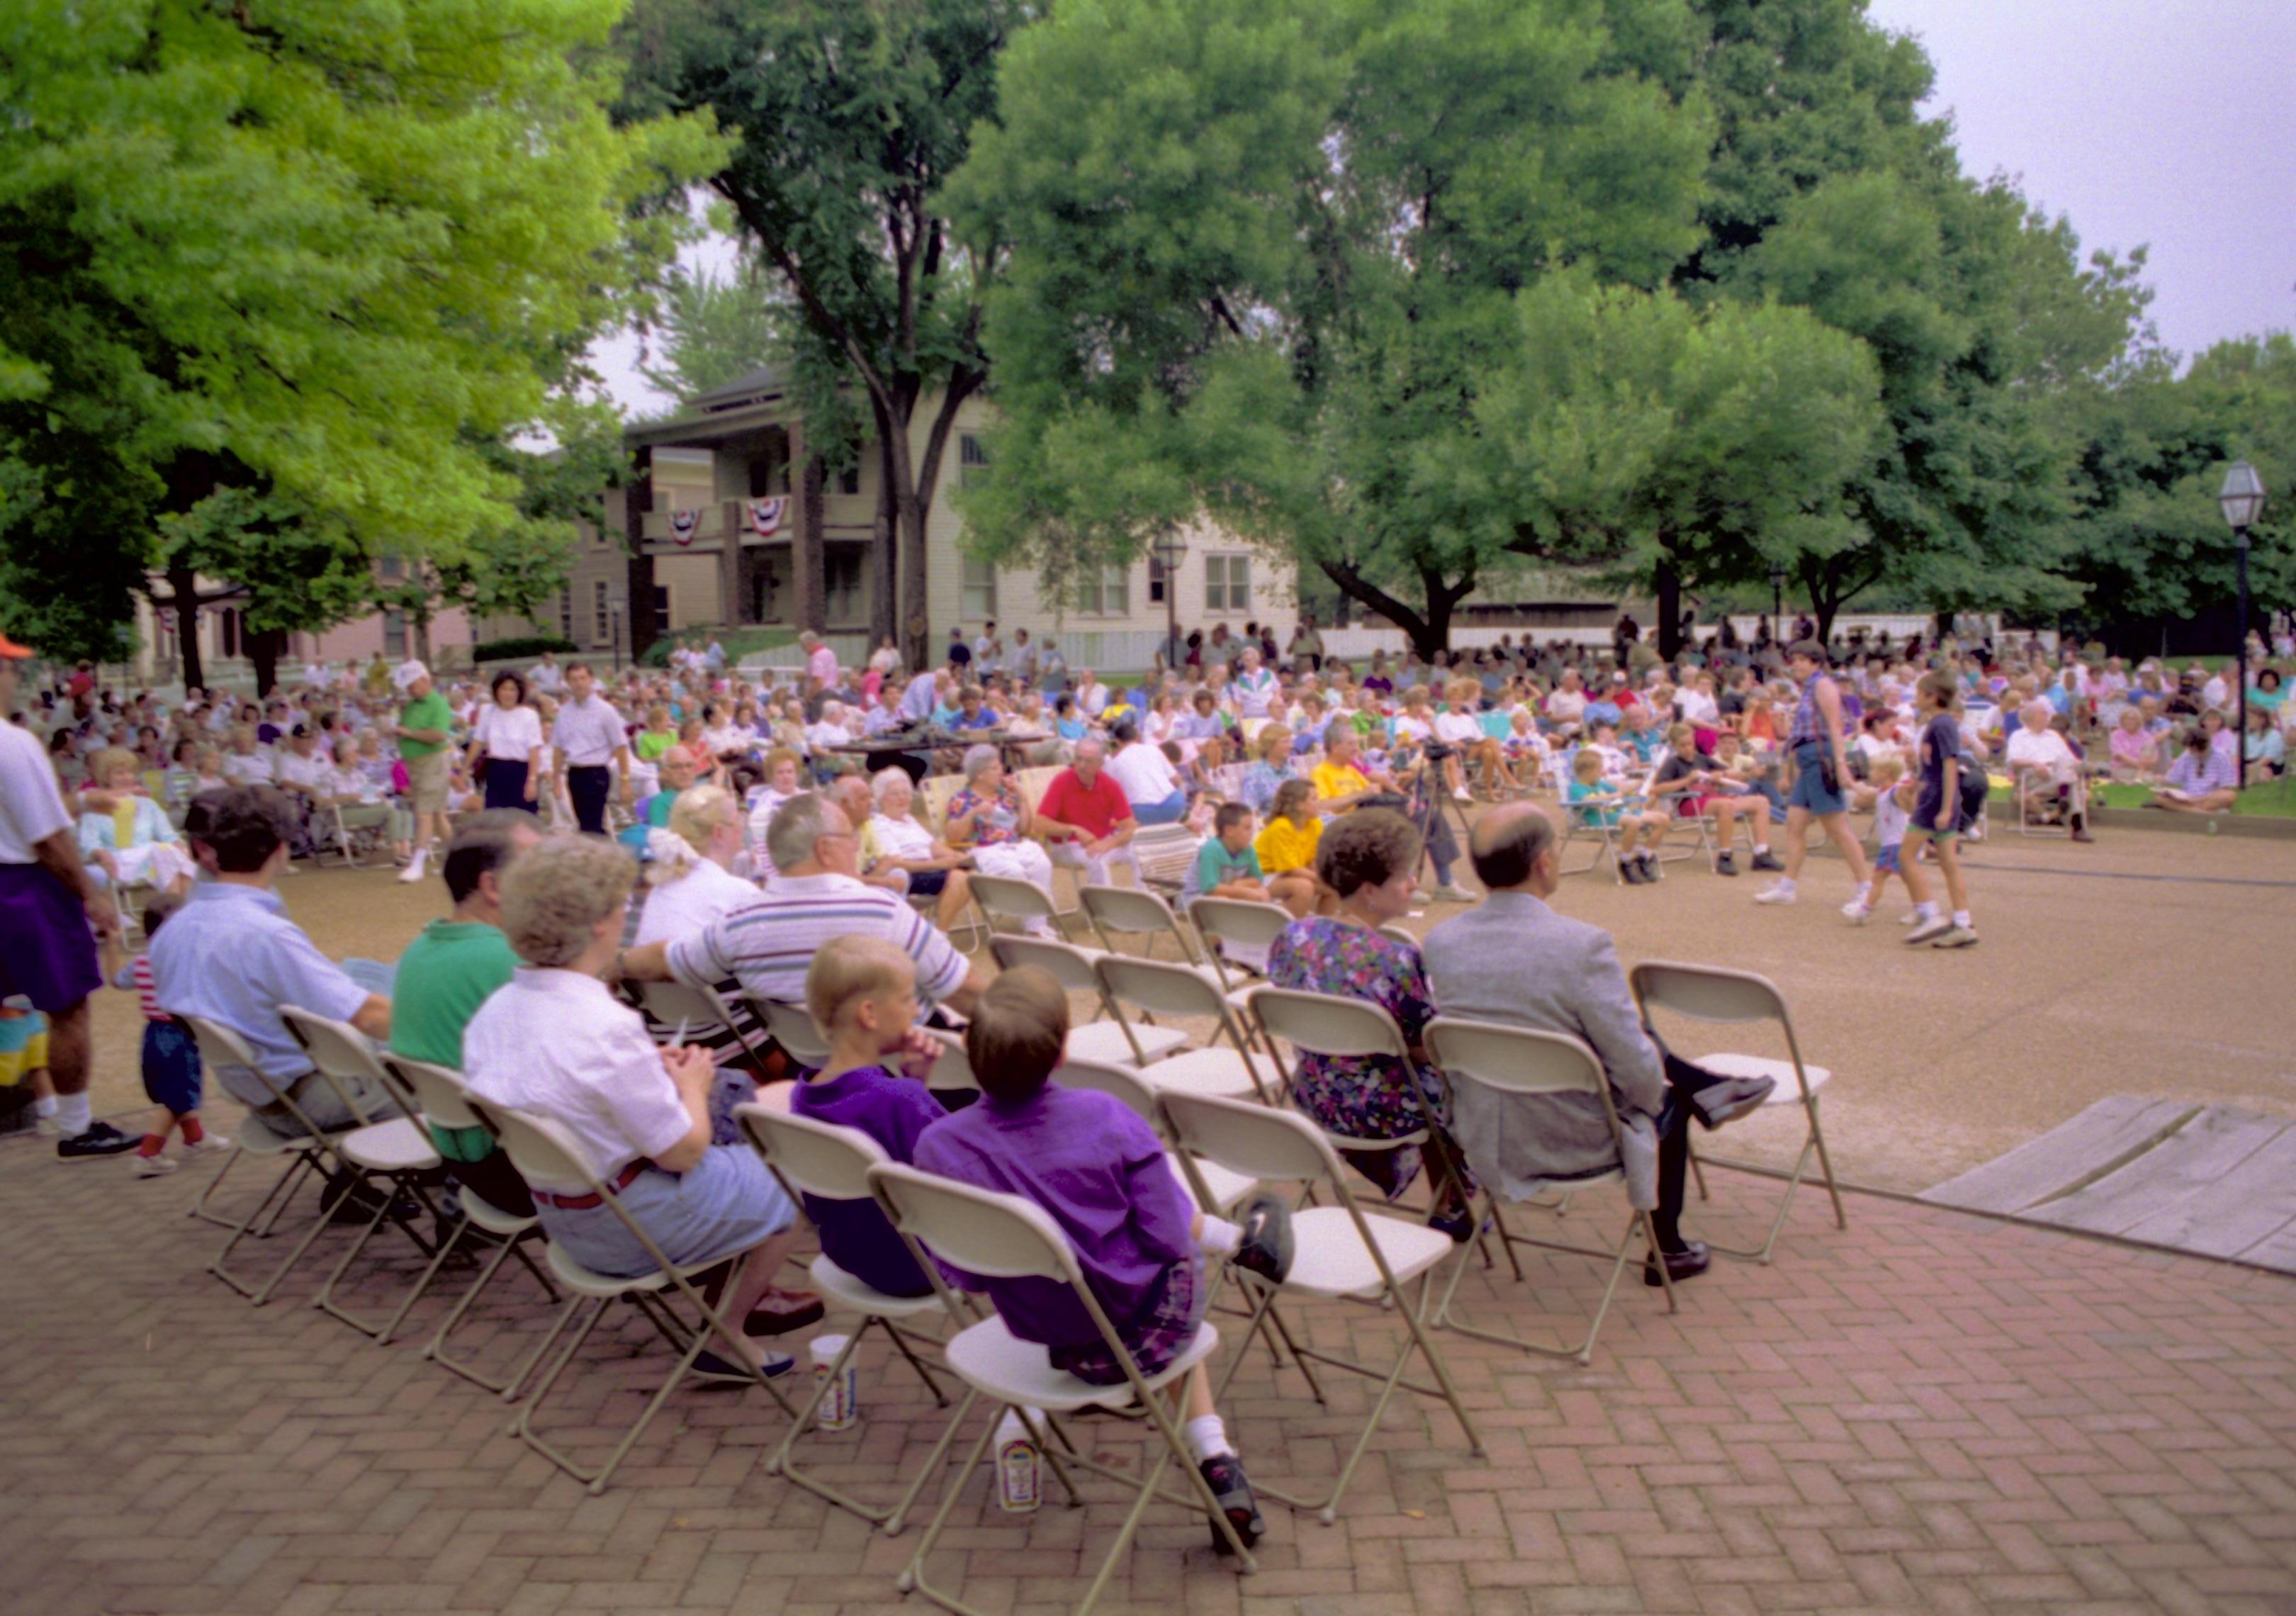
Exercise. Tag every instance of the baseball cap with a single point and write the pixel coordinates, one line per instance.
(407, 672)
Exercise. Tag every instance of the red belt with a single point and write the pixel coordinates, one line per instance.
(583, 1203)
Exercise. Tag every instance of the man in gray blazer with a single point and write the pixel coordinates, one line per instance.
(1516, 962)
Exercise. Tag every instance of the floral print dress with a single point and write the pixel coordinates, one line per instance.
(1362, 1097)
(999, 820)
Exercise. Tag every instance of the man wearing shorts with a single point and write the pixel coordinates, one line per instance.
(1937, 814)
(50, 917)
(1816, 744)
(425, 726)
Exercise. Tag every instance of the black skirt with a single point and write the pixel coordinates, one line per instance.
(506, 784)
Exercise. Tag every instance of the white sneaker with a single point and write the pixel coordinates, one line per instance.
(1463, 793)
(155, 1167)
(1855, 912)
(1776, 893)
(209, 1145)
(414, 867)
(48, 1126)
(1929, 930)
(1451, 894)
(1910, 917)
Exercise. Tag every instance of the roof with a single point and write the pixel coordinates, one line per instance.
(759, 384)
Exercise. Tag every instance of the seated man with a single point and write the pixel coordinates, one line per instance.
(2042, 758)
(1151, 785)
(1086, 820)
(1516, 962)
(232, 956)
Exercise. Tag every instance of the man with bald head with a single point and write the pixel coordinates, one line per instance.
(1513, 960)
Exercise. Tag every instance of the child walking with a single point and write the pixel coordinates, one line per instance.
(172, 1079)
(1937, 810)
(1894, 800)
(1101, 1173)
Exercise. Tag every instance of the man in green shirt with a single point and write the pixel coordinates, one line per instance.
(426, 724)
(452, 969)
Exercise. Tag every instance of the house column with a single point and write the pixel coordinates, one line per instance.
(733, 608)
(637, 499)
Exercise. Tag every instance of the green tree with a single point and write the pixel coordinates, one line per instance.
(291, 272)
(715, 329)
(849, 120)
(1261, 254)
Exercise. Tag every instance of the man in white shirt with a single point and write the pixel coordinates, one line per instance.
(1091, 695)
(590, 744)
(988, 651)
(2041, 757)
(547, 676)
(1151, 785)
(1024, 656)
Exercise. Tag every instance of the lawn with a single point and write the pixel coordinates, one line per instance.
(2275, 802)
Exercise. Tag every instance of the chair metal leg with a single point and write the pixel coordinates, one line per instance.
(436, 1350)
(200, 1207)
(389, 1188)
(890, 1518)
(306, 1163)
(1640, 1222)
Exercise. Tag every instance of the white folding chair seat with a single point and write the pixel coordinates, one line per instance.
(1709, 993)
(1160, 988)
(1006, 1237)
(397, 1146)
(1517, 1065)
(1202, 1071)
(545, 1153)
(1338, 1250)
(832, 1163)
(1074, 969)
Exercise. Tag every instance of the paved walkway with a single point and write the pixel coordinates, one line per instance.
(1931, 1411)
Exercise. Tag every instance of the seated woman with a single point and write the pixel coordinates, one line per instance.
(2200, 781)
(1286, 849)
(2263, 749)
(124, 834)
(1270, 768)
(1369, 860)
(555, 1042)
(893, 840)
(993, 821)
(2135, 753)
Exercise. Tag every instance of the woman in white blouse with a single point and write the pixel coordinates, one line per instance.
(555, 1043)
(507, 739)
(894, 840)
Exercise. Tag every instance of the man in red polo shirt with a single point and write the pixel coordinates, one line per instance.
(1086, 819)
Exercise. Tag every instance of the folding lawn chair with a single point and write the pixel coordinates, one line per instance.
(1338, 1250)
(998, 1236)
(1708, 993)
(832, 1163)
(1519, 1062)
(699, 1009)
(1073, 968)
(1158, 989)
(1138, 912)
(546, 1156)
(1010, 897)
(793, 1028)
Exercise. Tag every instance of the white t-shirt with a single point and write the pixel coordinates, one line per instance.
(900, 838)
(1457, 726)
(247, 768)
(31, 807)
(513, 734)
(1700, 709)
(310, 772)
(681, 908)
(1145, 773)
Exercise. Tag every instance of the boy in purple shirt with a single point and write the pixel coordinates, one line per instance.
(1090, 1162)
(863, 991)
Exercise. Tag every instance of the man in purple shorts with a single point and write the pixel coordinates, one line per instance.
(50, 917)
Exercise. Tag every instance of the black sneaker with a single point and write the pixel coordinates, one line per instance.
(1765, 860)
(1724, 864)
(1631, 873)
(1225, 1476)
(1266, 1248)
(101, 1139)
(1651, 871)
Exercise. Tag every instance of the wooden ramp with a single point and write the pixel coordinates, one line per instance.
(2212, 1180)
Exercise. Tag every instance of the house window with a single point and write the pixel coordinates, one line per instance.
(1105, 591)
(393, 566)
(602, 609)
(394, 635)
(849, 480)
(1155, 581)
(1227, 583)
(841, 583)
(566, 614)
(971, 460)
(977, 594)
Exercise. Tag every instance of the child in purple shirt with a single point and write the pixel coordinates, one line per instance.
(1090, 1162)
(863, 991)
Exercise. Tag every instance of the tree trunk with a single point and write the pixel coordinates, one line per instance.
(1428, 631)
(637, 499)
(1669, 607)
(810, 556)
(185, 585)
(263, 651)
(884, 569)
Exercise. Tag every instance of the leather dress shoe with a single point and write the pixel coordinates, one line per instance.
(1719, 1103)
(1688, 1263)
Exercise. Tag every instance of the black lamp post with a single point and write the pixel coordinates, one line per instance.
(2242, 500)
(1170, 550)
(1777, 595)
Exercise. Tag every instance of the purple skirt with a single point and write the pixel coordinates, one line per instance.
(47, 949)
(1159, 1334)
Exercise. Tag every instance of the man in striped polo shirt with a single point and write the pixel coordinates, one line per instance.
(767, 942)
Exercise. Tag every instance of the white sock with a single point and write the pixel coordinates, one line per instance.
(1927, 910)
(1960, 917)
(44, 1106)
(1220, 1238)
(1785, 883)
(1761, 847)
(1207, 1439)
(73, 1117)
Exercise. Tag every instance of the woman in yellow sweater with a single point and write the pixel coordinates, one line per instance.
(1286, 847)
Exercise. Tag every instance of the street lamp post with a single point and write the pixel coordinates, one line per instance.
(616, 602)
(2242, 500)
(1170, 550)
(1777, 595)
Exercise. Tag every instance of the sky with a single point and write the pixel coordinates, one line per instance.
(2167, 123)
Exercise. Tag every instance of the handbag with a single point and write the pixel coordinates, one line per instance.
(1829, 774)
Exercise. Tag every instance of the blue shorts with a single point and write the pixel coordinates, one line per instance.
(1809, 786)
(47, 950)
(171, 1067)
(1885, 862)
(725, 1204)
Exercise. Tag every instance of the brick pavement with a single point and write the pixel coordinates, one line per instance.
(1929, 1412)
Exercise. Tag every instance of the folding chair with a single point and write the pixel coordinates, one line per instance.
(683, 1004)
(1158, 989)
(1132, 1087)
(1010, 897)
(546, 1156)
(370, 818)
(1073, 969)
(1138, 912)
(1337, 1252)
(444, 1103)
(1161, 855)
(1326, 1024)
(1578, 823)
(2028, 798)
(832, 1163)
(1708, 993)
(998, 1236)
(1244, 924)
(310, 1151)
(1513, 1063)
(793, 1028)
(394, 1157)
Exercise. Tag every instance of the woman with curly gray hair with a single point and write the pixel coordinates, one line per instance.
(991, 819)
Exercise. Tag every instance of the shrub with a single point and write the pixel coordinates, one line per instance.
(519, 645)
